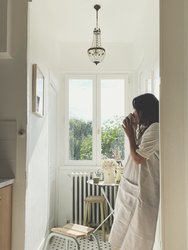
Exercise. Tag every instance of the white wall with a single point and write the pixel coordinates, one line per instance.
(13, 103)
(146, 40)
(174, 109)
(40, 51)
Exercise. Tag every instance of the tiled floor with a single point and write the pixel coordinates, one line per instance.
(85, 244)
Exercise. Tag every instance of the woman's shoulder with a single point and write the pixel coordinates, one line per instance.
(153, 127)
(152, 130)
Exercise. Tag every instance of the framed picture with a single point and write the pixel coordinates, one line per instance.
(38, 91)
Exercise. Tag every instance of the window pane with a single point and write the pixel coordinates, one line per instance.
(80, 119)
(112, 114)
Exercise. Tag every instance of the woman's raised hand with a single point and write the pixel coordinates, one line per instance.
(129, 125)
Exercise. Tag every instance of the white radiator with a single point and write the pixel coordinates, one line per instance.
(80, 190)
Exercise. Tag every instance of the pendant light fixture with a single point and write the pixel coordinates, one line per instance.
(96, 53)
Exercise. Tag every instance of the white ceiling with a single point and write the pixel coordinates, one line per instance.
(119, 20)
(127, 27)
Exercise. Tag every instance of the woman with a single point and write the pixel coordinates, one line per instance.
(136, 208)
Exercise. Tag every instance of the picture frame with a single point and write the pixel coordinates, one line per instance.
(37, 91)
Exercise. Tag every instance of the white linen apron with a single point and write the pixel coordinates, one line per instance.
(136, 208)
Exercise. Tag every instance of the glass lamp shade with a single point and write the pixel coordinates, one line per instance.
(96, 53)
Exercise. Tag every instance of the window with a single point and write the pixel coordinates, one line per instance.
(112, 113)
(94, 114)
(80, 119)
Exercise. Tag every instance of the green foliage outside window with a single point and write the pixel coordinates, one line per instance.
(80, 136)
(80, 139)
(112, 138)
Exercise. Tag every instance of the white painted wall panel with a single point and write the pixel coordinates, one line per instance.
(13, 106)
(7, 150)
(8, 130)
(173, 70)
(3, 25)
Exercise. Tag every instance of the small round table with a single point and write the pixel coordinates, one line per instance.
(102, 185)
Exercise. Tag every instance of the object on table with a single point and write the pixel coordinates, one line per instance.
(108, 167)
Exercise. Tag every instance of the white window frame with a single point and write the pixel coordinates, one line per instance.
(96, 161)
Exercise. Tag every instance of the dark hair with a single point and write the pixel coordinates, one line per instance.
(147, 107)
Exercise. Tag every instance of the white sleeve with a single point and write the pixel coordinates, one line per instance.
(150, 141)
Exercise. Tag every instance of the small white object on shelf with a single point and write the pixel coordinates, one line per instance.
(109, 166)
